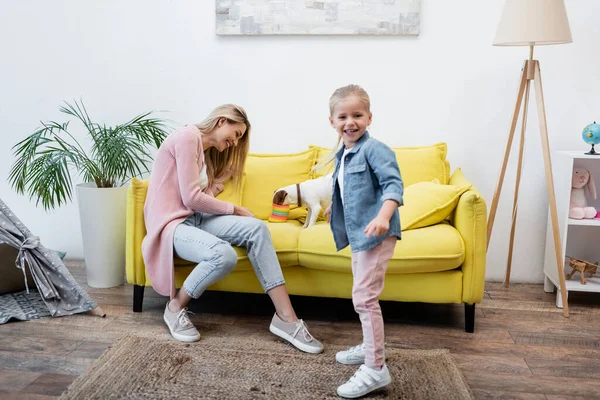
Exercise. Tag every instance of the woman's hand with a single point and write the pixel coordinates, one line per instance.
(327, 213)
(377, 227)
(241, 211)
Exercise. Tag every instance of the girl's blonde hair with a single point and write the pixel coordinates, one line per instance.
(337, 96)
(230, 162)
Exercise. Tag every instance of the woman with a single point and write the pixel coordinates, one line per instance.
(184, 218)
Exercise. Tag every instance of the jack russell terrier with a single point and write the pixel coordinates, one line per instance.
(315, 194)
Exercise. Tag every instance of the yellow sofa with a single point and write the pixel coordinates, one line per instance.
(440, 259)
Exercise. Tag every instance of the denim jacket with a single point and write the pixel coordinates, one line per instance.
(371, 176)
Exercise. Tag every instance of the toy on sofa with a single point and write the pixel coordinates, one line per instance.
(279, 213)
(579, 208)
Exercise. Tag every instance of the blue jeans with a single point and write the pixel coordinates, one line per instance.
(208, 239)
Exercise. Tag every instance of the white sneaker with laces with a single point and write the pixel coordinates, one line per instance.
(296, 333)
(180, 325)
(354, 355)
(364, 381)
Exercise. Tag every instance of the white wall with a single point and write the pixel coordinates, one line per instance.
(448, 84)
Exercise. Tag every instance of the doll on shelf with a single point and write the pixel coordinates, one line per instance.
(579, 208)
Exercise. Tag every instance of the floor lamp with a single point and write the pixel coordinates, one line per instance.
(531, 23)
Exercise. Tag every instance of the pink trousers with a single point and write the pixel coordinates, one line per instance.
(368, 268)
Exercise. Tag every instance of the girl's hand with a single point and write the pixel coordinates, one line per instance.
(327, 213)
(241, 211)
(377, 227)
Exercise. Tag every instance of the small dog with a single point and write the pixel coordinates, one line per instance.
(315, 194)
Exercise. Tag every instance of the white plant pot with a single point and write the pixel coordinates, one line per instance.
(102, 215)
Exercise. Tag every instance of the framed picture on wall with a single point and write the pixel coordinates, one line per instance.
(318, 17)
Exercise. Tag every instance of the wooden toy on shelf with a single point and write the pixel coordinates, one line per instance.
(582, 266)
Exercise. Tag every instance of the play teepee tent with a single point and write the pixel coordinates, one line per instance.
(56, 292)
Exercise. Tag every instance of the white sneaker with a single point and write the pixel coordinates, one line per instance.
(180, 325)
(296, 333)
(364, 381)
(354, 355)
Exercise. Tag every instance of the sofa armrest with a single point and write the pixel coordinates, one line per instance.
(135, 231)
(470, 219)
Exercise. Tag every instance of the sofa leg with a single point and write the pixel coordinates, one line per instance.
(469, 318)
(138, 298)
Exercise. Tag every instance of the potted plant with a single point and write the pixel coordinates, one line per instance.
(44, 163)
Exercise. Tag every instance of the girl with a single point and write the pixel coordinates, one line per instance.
(184, 218)
(367, 191)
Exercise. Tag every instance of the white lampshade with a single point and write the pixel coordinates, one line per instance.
(533, 22)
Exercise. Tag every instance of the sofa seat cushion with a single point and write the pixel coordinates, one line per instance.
(285, 240)
(430, 249)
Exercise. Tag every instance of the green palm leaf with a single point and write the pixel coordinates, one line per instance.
(46, 158)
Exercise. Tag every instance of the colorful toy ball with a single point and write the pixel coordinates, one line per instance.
(279, 213)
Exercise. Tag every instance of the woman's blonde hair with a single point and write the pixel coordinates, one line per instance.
(337, 96)
(230, 162)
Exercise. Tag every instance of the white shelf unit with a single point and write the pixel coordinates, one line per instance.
(578, 238)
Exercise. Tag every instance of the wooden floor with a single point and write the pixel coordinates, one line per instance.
(522, 348)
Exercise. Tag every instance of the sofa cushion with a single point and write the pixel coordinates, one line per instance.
(320, 153)
(423, 163)
(434, 248)
(417, 164)
(266, 173)
(428, 203)
(285, 240)
(230, 194)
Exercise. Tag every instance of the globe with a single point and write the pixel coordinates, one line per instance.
(591, 135)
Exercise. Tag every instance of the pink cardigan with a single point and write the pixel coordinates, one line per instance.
(174, 193)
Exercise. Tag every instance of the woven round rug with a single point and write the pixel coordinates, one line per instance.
(256, 367)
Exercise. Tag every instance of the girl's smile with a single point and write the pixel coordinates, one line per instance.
(350, 119)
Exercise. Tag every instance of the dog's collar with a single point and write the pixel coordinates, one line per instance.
(298, 193)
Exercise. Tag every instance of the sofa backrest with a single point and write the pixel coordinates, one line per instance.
(265, 173)
(417, 164)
